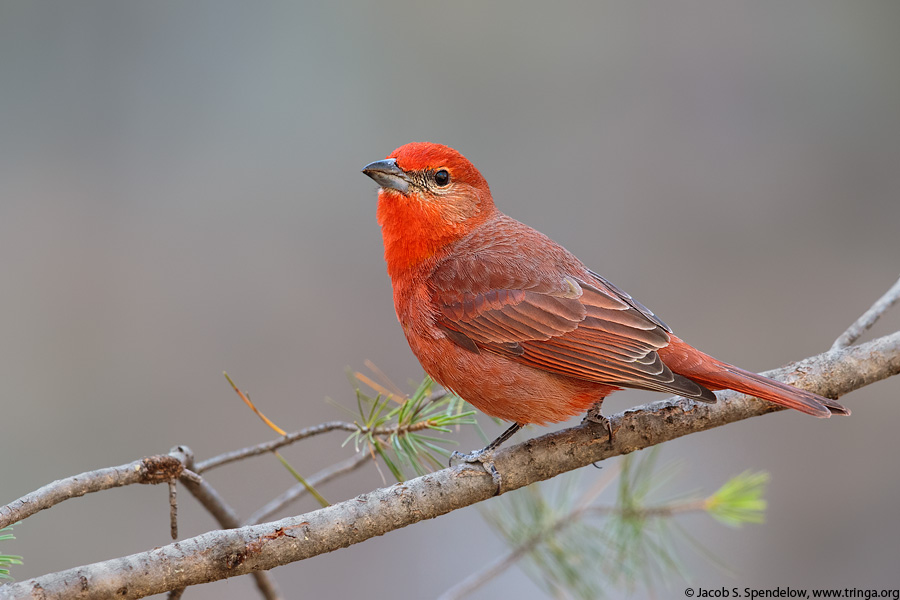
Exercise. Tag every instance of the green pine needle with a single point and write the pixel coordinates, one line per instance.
(740, 500)
(633, 544)
(7, 559)
(313, 492)
(401, 434)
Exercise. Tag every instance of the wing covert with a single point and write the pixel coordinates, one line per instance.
(584, 329)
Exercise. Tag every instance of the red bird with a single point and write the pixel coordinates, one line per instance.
(513, 322)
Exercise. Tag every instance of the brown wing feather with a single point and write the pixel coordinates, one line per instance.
(608, 287)
(584, 329)
(512, 315)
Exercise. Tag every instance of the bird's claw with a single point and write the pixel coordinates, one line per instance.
(485, 457)
(593, 416)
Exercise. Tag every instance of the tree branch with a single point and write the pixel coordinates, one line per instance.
(220, 554)
(290, 438)
(869, 317)
(299, 490)
(476, 580)
(265, 447)
(152, 469)
(226, 516)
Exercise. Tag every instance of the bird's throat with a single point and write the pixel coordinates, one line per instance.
(414, 232)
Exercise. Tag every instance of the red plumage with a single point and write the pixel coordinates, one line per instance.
(512, 321)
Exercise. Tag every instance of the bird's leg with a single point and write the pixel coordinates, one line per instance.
(485, 456)
(593, 416)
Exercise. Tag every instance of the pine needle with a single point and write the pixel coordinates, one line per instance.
(259, 414)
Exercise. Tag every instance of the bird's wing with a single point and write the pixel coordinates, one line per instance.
(582, 327)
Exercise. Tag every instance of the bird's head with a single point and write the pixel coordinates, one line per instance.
(433, 175)
(430, 195)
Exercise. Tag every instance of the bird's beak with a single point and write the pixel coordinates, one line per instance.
(387, 174)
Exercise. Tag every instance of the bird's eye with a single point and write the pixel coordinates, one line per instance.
(442, 178)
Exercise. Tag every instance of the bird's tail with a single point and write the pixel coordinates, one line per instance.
(717, 375)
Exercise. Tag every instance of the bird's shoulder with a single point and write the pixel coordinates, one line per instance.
(505, 254)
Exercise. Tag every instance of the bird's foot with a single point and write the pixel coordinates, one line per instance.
(485, 457)
(593, 416)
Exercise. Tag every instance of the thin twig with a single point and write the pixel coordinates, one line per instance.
(152, 469)
(266, 447)
(868, 318)
(219, 554)
(299, 490)
(265, 583)
(223, 513)
(496, 568)
(213, 502)
(501, 564)
(173, 510)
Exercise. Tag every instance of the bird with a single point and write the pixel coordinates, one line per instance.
(514, 323)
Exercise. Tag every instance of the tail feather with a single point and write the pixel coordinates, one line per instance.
(752, 384)
(717, 375)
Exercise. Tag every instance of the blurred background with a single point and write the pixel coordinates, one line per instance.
(180, 194)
